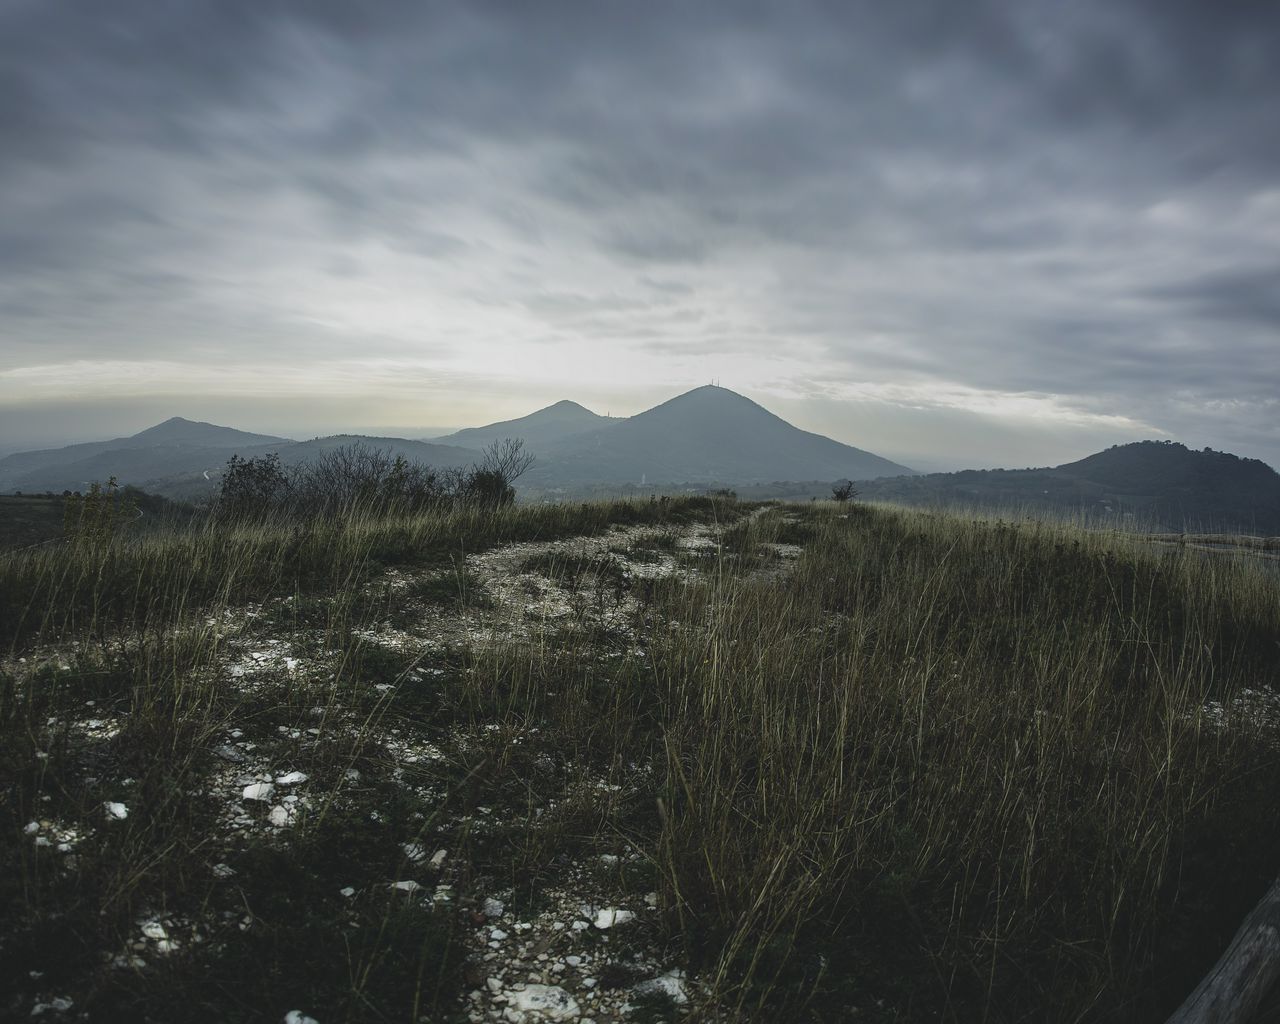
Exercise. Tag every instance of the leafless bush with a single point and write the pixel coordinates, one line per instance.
(359, 476)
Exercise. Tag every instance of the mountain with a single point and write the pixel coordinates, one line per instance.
(183, 458)
(176, 431)
(540, 430)
(173, 447)
(1158, 484)
(708, 435)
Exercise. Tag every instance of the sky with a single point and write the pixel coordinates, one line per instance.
(955, 234)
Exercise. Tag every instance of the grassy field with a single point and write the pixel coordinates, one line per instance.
(29, 519)
(679, 759)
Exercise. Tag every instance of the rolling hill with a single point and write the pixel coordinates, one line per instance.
(1156, 484)
(183, 459)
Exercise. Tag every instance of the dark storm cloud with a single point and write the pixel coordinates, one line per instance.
(1080, 200)
(1248, 295)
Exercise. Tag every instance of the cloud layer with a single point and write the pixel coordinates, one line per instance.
(1028, 213)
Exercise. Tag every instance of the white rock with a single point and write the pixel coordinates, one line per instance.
(32, 828)
(497, 935)
(258, 791)
(298, 1017)
(541, 1002)
(415, 852)
(223, 871)
(493, 908)
(670, 985)
(280, 816)
(347, 891)
(291, 779)
(609, 917)
(115, 811)
(60, 1005)
(408, 886)
(437, 858)
(608, 860)
(154, 930)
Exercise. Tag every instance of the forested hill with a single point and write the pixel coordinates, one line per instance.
(1161, 484)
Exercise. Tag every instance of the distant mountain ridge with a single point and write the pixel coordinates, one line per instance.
(711, 435)
(538, 430)
(184, 458)
(1160, 484)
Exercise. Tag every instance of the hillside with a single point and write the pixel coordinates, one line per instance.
(170, 449)
(183, 459)
(634, 761)
(1155, 484)
(710, 434)
(541, 431)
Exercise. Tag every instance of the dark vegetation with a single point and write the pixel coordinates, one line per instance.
(371, 480)
(943, 769)
(1157, 485)
(31, 519)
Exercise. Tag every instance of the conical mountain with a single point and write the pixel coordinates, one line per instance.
(179, 431)
(174, 446)
(539, 430)
(710, 434)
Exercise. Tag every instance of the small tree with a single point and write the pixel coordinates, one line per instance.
(844, 491)
(490, 483)
(507, 458)
(253, 487)
(95, 516)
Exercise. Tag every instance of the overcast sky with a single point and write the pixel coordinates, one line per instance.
(951, 233)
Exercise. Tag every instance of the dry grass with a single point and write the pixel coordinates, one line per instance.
(937, 769)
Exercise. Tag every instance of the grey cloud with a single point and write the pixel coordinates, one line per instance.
(926, 190)
(1248, 295)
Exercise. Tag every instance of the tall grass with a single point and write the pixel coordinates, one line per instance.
(942, 768)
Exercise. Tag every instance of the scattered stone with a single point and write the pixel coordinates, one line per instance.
(493, 908)
(258, 791)
(539, 1003)
(609, 918)
(671, 985)
(60, 1004)
(223, 871)
(437, 859)
(291, 778)
(408, 886)
(298, 1017)
(347, 891)
(115, 811)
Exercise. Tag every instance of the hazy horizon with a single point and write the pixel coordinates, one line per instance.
(925, 463)
(991, 235)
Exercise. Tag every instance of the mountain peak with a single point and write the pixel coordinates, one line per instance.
(540, 429)
(179, 430)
